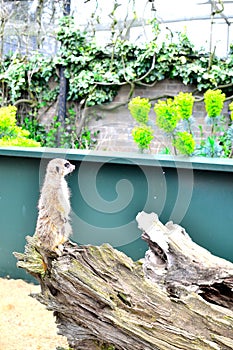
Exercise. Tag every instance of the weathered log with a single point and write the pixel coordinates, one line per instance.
(179, 264)
(178, 297)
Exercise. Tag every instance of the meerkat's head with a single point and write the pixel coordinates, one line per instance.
(60, 167)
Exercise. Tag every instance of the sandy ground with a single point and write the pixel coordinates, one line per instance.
(25, 324)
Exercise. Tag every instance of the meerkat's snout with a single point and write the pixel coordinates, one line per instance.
(60, 167)
(68, 167)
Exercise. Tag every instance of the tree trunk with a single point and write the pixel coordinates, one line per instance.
(63, 87)
(178, 297)
(62, 99)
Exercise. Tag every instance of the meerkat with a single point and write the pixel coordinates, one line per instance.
(53, 227)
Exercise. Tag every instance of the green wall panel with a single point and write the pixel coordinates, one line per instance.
(108, 190)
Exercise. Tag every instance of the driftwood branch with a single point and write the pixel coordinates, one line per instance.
(178, 297)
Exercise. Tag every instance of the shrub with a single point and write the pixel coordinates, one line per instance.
(184, 102)
(10, 133)
(7, 120)
(210, 148)
(214, 100)
(142, 135)
(19, 141)
(231, 110)
(167, 115)
(139, 109)
(184, 143)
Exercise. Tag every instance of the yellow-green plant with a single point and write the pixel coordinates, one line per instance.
(214, 100)
(142, 135)
(10, 133)
(19, 142)
(167, 115)
(184, 102)
(139, 109)
(184, 143)
(7, 120)
(231, 110)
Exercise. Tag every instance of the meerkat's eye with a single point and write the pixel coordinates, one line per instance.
(67, 165)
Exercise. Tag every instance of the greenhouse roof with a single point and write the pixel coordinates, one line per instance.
(186, 10)
(206, 22)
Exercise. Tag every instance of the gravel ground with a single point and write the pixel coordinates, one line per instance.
(25, 324)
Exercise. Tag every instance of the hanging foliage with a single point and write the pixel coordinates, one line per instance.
(96, 73)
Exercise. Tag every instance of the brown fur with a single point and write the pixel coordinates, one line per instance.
(53, 227)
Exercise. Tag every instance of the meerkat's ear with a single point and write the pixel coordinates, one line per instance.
(57, 169)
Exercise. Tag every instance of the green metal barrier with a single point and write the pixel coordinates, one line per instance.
(108, 190)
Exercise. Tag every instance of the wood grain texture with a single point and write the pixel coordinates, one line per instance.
(178, 297)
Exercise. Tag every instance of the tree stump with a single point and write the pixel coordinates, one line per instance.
(178, 297)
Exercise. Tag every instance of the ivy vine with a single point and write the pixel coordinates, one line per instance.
(96, 73)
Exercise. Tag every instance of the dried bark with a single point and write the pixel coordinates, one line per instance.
(178, 297)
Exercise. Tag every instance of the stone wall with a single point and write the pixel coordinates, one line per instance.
(115, 122)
